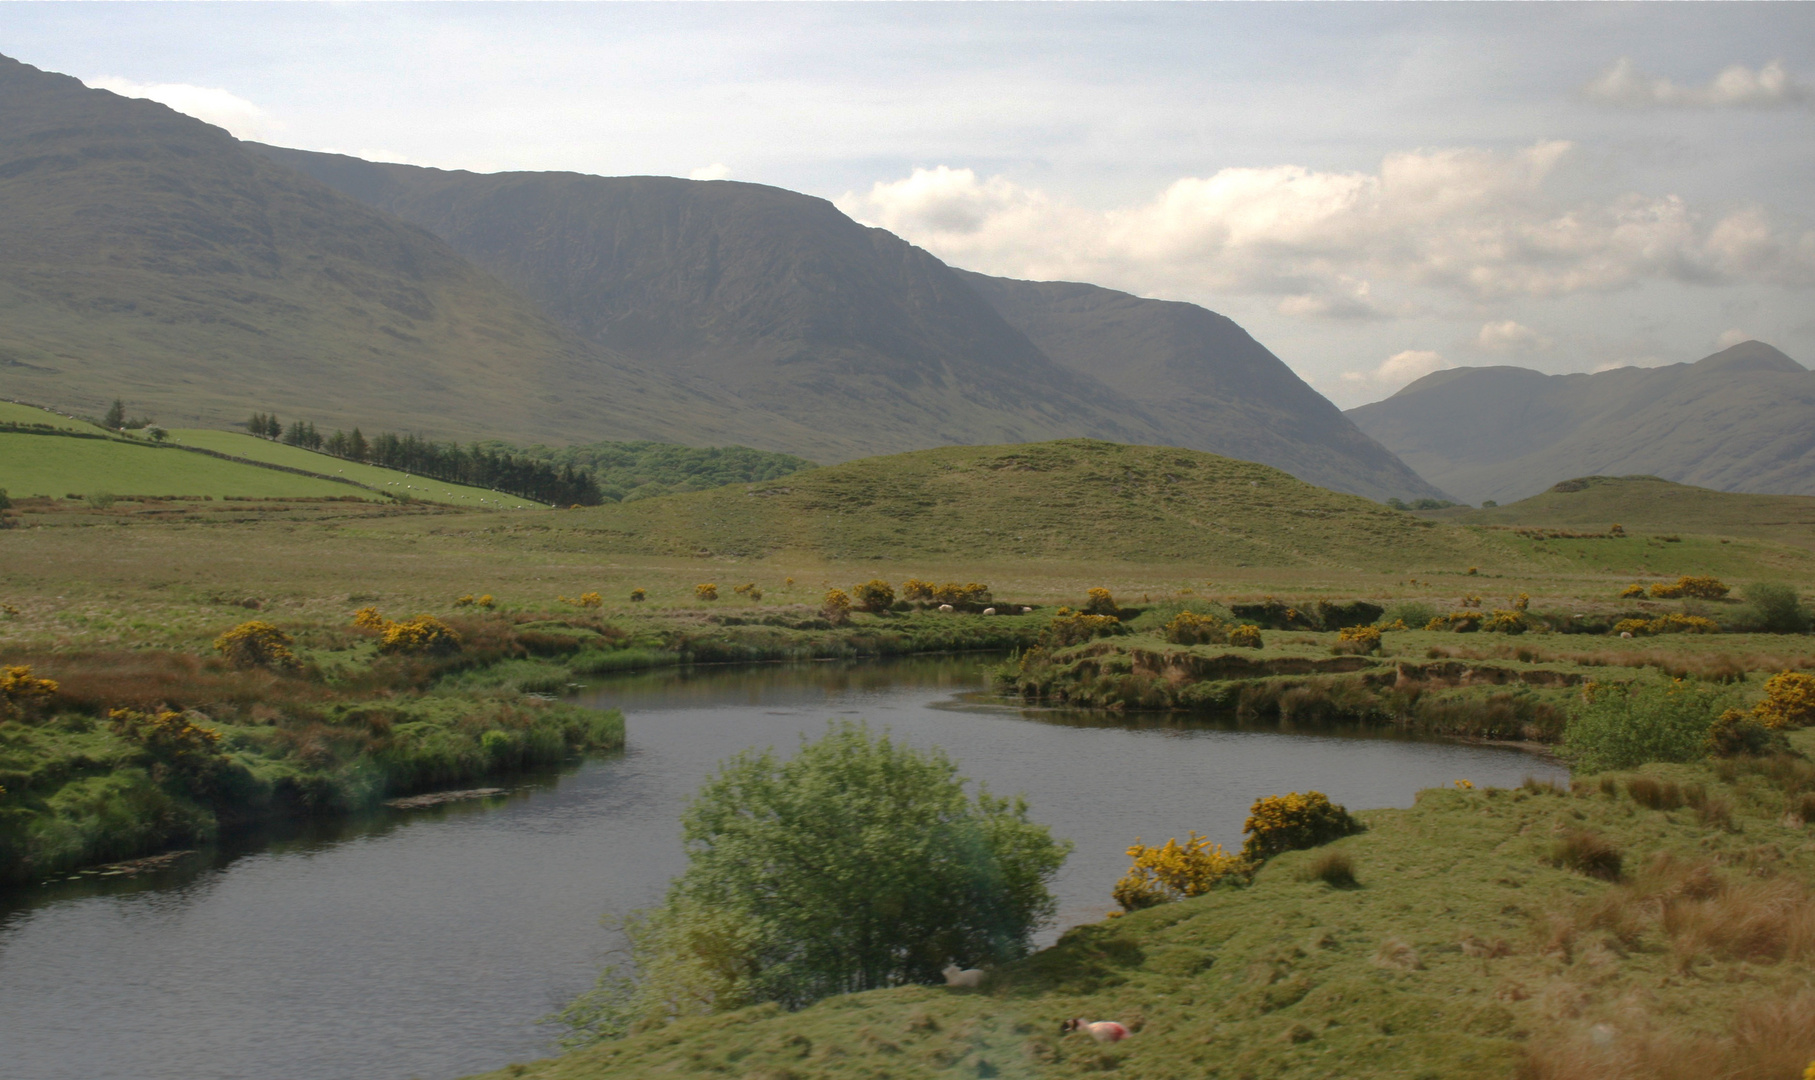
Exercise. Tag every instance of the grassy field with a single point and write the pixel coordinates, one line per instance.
(389, 481)
(1461, 950)
(1464, 952)
(55, 466)
(1648, 504)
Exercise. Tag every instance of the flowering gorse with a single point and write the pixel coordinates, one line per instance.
(1288, 822)
(256, 644)
(1190, 628)
(1246, 636)
(705, 591)
(1789, 701)
(21, 692)
(1161, 875)
(1672, 623)
(1702, 588)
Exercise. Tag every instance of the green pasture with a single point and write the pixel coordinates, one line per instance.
(389, 481)
(57, 466)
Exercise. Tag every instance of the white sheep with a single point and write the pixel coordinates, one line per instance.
(1027, 611)
(989, 611)
(1626, 634)
(1100, 1030)
(956, 976)
(947, 608)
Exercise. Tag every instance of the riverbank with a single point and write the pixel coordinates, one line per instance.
(1642, 924)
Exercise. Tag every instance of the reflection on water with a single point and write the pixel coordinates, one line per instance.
(427, 943)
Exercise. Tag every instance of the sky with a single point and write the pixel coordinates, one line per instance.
(1375, 191)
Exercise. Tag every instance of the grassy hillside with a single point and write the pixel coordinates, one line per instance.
(1461, 948)
(56, 466)
(1740, 420)
(1648, 504)
(389, 481)
(1071, 499)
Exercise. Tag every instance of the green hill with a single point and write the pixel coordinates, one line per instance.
(1648, 504)
(389, 481)
(1071, 499)
(56, 466)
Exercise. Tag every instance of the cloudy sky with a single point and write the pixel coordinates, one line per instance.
(1374, 190)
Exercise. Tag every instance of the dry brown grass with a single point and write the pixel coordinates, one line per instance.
(1766, 1039)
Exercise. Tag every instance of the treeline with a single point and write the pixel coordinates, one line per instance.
(474, 466)
(627, 471)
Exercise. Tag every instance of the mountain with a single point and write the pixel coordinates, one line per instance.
(803, 312)
(147, 255)
(1740, 420)
(1206, 381)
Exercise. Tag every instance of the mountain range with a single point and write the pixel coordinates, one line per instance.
(147, 255)
(1740, 420)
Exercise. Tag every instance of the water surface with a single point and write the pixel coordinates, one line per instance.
(425, 944)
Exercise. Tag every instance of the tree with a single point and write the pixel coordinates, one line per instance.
(858, 863)
(116, 416)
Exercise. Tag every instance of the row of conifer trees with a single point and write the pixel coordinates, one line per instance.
(473, 466)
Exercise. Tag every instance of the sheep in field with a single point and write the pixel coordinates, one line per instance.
(989, 611)
(947, 608)
(962, 977)
(1101, 1030)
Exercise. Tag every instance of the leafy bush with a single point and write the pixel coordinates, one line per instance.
(956, 595)
(1411, 613)
(1165, 874)
(367, 618)
(705, 591)
(857, 863)
(637, 596)
(1357, 640)
(21, 693)
(424, 635)
(1246, 636)
(1701, 588)
(748, 590)
(1289, 822)
(1625, 726)
(1100, 603)
(256, 644)
(1789, 701)
(915, 589)
(1506, 622)
(1632, 591)
(837, 607)
(1070, 627)
(469, 600)
(1776, 608)
(1462, 622)
(1190, 628)
(1587, 853)
(1739, 733)
(873, 595)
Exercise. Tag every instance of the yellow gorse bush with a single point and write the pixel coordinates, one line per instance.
(256, 644)
(1190, 628)
(1504, 621)
(584, 600)
(367, 618)
(915, 589)
(20, 691)
(1672, 623)
(837, 606)
(748, 589)
(423, 634)
(1100, 602)
(1462, 622)
(469, 600)
(1631, 591)
(953, 593)
(169, 734)
(1702, 588)
(637, 596)
(1246, 636)
(705, 591)
(1070, 627)
(1164, 874)
(873, 595)
(1789, 701)
(1289, 822)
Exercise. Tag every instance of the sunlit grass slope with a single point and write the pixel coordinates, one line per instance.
(14, 413)
(1070, 499)
(1653, 505)
(56, 466)
(389, 481)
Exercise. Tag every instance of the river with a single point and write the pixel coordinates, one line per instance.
(425, 944)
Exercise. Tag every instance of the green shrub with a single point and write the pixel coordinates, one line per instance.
(1776, 608)
(1411, 613)
(1070, 627)
(1190, 628)
(1625, 726)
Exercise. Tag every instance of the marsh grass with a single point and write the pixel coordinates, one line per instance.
(1334, 868)
(1587, 853)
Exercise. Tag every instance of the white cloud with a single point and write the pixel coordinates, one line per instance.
(1737, 86)
(1508, 336)
(1730, 338)
(718, 170)
(1478, 223)
(1398, 369)
(222, 108)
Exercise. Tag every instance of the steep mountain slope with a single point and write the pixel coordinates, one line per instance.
(809, 314)
(150, 256)
(1739, 420)
(774, 295)
(1208, 383)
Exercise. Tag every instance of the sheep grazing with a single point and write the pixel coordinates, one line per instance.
(1626, 634)
(962, 977)
(947, 608)
(1027, 611)
(989, 611)
(1100, 1030)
